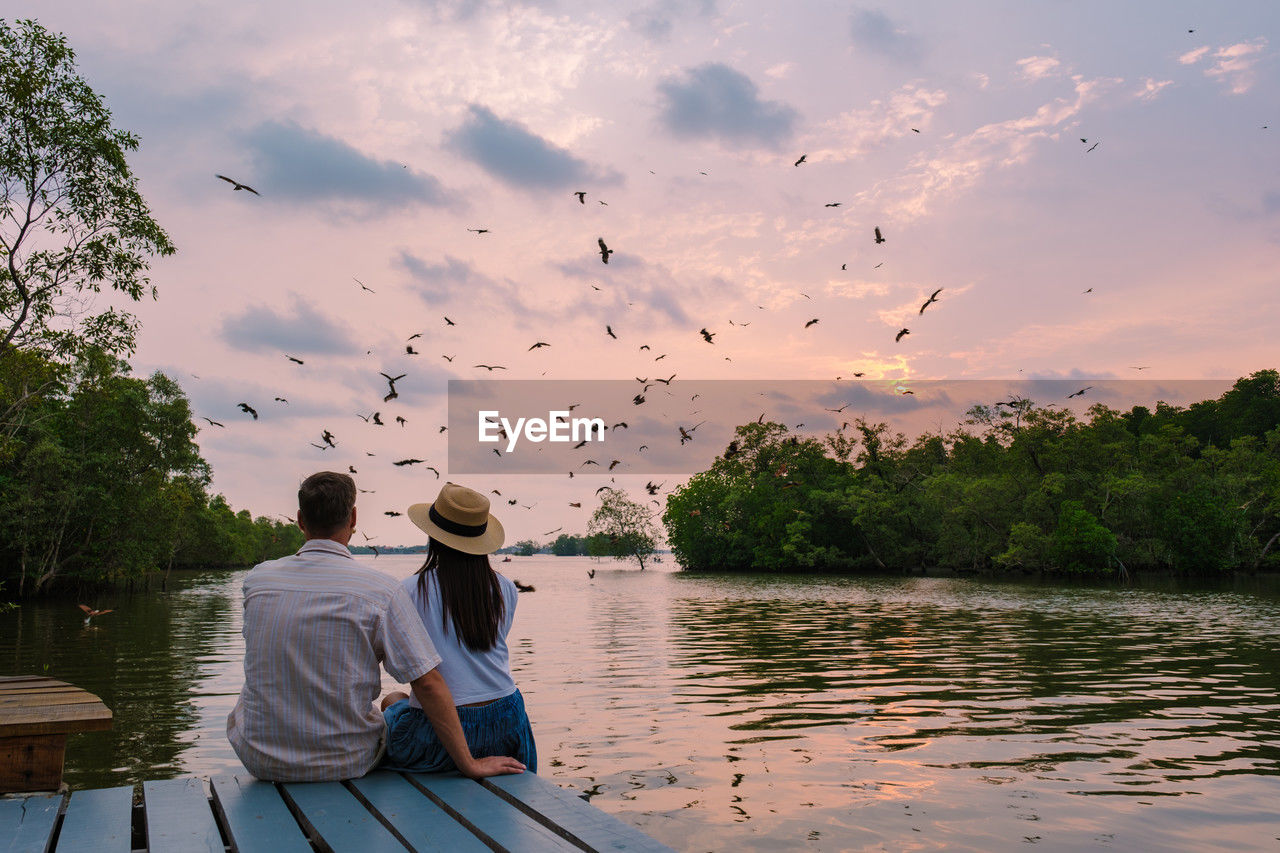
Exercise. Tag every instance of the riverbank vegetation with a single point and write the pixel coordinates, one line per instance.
(100, 478)
(1024, 487)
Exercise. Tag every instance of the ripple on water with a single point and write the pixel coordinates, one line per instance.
(765, 713)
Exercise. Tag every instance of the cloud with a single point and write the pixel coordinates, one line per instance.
(453, 278)
(1151, 88)
(632, 280)
(714, 101)
(854, 133)
(1191, 57)
(999, 144)
(656, 20)
(1235, 65)
(1038, 67)
(298, 164)
(302, 331)
(518, 157)
(874, 31)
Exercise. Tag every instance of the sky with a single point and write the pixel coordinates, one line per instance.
(1093, 186)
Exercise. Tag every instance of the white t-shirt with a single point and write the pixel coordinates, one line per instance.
(472, 676)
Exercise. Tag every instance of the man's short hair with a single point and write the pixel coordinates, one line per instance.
(325, 501)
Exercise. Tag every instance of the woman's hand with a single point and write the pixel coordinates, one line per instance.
(492, 765)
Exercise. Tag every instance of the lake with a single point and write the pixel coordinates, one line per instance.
(758, 712)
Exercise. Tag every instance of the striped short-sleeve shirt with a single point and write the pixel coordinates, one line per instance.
(316, 627)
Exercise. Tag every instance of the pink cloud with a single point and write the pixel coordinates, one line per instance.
(1235, 65)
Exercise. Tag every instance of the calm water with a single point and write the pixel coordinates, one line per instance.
(761, 713)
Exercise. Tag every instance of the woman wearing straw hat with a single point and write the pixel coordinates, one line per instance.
(467, 608)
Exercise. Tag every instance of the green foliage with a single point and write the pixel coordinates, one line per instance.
(567, 545)
(622, 528)
(102, 481)
(72, 219)
(526, 548)
(1194, 490)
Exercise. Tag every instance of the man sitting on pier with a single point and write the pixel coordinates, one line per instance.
(316, 627)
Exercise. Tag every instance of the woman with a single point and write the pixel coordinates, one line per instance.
(467, 608)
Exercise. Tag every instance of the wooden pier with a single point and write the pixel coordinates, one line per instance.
(384, 811)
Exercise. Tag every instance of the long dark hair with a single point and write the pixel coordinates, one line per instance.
(470, 595)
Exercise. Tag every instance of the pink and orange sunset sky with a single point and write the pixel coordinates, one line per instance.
(378, 133)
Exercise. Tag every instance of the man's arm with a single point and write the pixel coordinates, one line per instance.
(437, 703)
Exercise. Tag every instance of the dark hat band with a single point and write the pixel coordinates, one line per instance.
(454, 527)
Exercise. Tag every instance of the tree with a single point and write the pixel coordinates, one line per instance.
(71, 219)
(628, 525)
(526, 548)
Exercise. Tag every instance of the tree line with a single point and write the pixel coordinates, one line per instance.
(101, 481)
(1022, 487)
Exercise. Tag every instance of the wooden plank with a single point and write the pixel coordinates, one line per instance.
(63, 720)
(422, 824)
(31, 763)
(179, 818)
(42, 698)
(26, 824)
(550, 804)
(255, 817)
(100, 820)
(336, 820)
(25, 680)
(26, 690)
(487, 814)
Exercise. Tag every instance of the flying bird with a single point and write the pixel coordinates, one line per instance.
(377, 418)
(523, 587)
(294, 360)
(215, 423)
(490, 367)
(605, 251)
(803, 158)
(404, 462)
(392, 514)
(879, 236)
(932, 299)
(537, 345)
(1080, 392)
(811, 322)
(327, 438)
(362, 286)
(833, 204)
(609, 331)
(281, 400)
(409, 350)
(249, 410)
(238, 185)
(707, 336)
(90, 612)
(898, 337)
(449, 322)
(582, 197)
(479, 230)
(401, 420)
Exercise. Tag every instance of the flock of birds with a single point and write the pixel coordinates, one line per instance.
(683, 433)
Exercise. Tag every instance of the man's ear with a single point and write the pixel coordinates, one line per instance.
(353, 518)
(298, 519)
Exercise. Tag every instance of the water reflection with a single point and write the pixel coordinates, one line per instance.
(767, 713)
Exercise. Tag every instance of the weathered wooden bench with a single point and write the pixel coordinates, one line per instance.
(384, 811)
(36, 715)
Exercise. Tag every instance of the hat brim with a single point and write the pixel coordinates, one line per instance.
(486, 543)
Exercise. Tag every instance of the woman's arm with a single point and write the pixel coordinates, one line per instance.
(437, 703)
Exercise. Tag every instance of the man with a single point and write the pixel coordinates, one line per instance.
(316, 627)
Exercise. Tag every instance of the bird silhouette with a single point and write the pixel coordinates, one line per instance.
(238, 186)
(294, 360)
(479, 230)
(605, 251)
(609, 332)
(281, 400)
(591, 573)
(524, 587)
(538, 345)
(391, 383)
(833, 204)
(879, 236)
(215, 423)
(391, 514)
(803, 158)
(377, 418)
(582, 197)
(409, 350)
(1080, 392)
(362, 285)
(898, 337)
(490, 367)
(707, 336)
(811, 322)
(932, 299)
(249, 410)
(327, 438)
(404, 462)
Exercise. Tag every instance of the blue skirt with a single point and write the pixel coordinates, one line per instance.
(499, 728)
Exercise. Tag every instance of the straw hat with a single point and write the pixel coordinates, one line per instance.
(460, 519)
